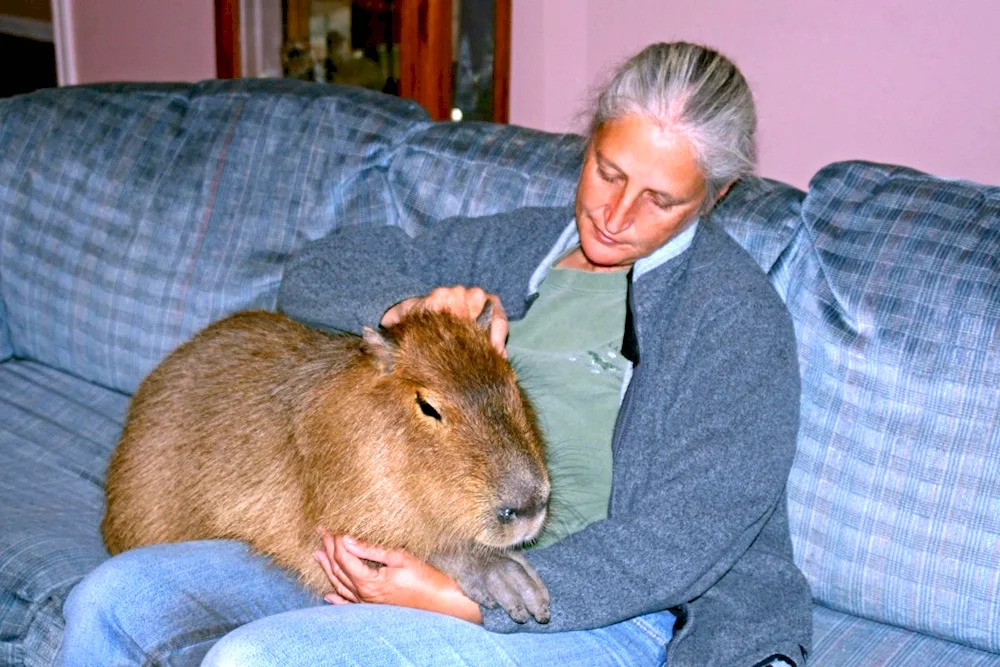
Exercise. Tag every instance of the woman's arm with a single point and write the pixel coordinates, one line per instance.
(349, 278)
(401, 579)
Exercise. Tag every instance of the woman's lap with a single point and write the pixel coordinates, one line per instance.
(369, 634)
(169, 604)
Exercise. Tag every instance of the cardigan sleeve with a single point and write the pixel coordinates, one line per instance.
(349, 278)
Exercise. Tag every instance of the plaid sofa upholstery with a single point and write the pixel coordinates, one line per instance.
(133, 215)
(844, 639)
(477, 169)
(56, 434)
(894, 287)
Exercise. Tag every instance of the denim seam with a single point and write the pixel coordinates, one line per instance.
(650, 631)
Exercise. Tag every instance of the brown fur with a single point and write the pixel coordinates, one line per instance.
(261, 429)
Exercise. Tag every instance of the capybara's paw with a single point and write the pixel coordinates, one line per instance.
(507, 580)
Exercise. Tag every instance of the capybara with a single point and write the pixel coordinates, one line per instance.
(417, 436)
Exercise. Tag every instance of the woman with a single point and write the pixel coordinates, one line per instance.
(669, 520)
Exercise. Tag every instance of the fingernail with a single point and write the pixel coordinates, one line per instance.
(350, 540)
(329, 599)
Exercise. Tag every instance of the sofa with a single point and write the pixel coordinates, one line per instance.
(133, 215)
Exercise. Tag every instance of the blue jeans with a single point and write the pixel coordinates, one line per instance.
(172, 604)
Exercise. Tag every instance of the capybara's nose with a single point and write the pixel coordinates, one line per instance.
(506, 515)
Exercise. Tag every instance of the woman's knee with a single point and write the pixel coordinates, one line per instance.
(104, 593)
(237, 649)
(102, 616)
(134, 599)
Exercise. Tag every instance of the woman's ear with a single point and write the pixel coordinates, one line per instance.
(722, 192)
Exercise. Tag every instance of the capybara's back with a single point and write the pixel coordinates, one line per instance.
(261, 429)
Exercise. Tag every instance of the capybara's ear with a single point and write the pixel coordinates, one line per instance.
(486, 317)
(380, 347)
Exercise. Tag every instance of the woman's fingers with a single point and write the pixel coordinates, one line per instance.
(374, 554)
(465, 302)
(354, 562)
(342, 584)
(399, 311)
(340, 593)
(499, 327)
(335, 596)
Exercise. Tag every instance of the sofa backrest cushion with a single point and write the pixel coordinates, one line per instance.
(762, 215)
(475, 169)
(131, 216)
(894, 497)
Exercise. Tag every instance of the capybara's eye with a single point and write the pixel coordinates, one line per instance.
(427, 408)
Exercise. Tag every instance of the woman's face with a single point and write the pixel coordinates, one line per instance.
(640, 186)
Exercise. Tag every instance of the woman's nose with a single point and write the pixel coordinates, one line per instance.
(618, 213)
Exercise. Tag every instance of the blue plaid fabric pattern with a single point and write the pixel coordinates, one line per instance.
(477, 169)
(763, 216)
(894, 497)
(56, 434)
(133, 216)
(843, 640)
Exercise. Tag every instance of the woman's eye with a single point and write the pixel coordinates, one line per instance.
(605, 176)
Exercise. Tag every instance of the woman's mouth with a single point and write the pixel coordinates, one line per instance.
(603, 238)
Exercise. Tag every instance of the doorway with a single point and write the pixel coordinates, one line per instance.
(451, 56)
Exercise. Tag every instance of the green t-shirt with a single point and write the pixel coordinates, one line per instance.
(567, 354)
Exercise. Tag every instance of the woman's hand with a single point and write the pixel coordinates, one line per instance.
(467, 302)
(400, 579)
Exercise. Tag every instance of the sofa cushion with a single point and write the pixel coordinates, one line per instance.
(476, 169)
(841, 640)
(894, 286)
(133, 215)
(762, 215)
(56, 435)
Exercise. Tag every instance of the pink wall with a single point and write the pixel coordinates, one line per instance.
(906, 82)
(135, 40)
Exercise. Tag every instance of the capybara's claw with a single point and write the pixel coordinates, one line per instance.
(507, 580)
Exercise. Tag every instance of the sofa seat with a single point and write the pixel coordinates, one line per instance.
(845, 640)
(56, 434)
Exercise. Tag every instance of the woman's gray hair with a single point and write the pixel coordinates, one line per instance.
(696, 91)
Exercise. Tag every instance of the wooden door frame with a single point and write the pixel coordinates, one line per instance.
(502, 15)
(425, 52)
(228, 51)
